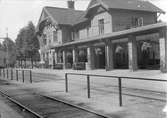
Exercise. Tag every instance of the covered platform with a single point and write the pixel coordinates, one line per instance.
(142, 47)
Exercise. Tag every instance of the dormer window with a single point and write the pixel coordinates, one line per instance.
(101, 26)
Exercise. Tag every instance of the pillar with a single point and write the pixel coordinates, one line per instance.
(41, 56)
(56, 57)
(132, 51)
(90, 58)
(64, 59)
(163, 49)
(53, 58)
(109, 56)
(50, 58)
(75, 55)
(47, 58)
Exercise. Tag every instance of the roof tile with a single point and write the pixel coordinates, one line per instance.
(67, 16)
(64, 15)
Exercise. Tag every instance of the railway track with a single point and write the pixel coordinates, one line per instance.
(42, 106)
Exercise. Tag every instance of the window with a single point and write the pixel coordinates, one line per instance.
(88, 29)
(77, 35)
(44, 39)
(140, 21)
(55, 36)
(72, 36)
(101, 26)
(49, 36)
(136, 22)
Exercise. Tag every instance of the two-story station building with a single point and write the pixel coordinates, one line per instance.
(110, 34)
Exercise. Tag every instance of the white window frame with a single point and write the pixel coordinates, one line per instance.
(101, 26)
(140, 21)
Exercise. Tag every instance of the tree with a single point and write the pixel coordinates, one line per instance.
(32, 43)
(27, 44)
(1, 46)
(10, 48)
(20, 55)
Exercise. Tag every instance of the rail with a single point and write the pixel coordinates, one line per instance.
(21, 105)
(113, 77)
(6, 74)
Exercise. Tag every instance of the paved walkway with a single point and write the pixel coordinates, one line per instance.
(150, 74)
(117, 72)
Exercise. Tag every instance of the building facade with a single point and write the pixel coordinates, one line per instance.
(110, 34)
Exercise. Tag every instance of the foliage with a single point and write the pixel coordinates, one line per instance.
(1, 46)
(27, 43)
(10, 48)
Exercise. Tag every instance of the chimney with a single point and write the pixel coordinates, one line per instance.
(70, 4)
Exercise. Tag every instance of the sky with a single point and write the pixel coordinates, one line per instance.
(15, 14)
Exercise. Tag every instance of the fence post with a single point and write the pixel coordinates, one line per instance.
(17, 78)
(0, 72)
(11, 74)
(66, 83)
(23, 75)
(88, 85)
(7, 72)
(120, 91)
(30, 76)
(4, 73)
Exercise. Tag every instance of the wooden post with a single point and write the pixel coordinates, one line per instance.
(23, 75)
(3, 73)
(30, 76)
(7, 73)
(88, 86)
(120, 91)
(66, 83)
(17, 78)
(11, 74)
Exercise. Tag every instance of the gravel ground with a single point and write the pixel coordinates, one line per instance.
(8, 111)
(103, 98)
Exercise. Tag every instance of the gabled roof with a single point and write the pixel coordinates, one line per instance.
(141, 5)
(65, 16)
(71, 17)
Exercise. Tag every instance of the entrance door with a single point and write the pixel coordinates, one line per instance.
(100, 58)
(121, 56)
(148, 55)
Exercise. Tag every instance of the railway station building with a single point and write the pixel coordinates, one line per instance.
(109, 34)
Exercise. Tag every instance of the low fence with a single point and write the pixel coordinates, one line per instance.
(113, 77)
(14, 74)
(25, 75)
(9, 74)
